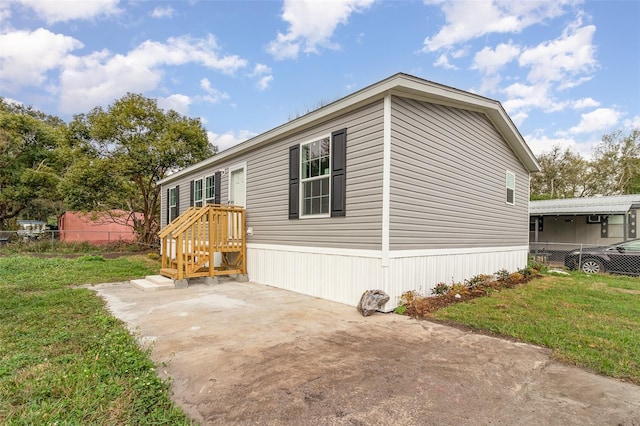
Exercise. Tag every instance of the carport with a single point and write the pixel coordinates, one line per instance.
(588, 220)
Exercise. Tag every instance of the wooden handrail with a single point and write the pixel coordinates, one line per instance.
(178, 221)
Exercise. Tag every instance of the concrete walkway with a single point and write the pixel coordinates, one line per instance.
(245, 353)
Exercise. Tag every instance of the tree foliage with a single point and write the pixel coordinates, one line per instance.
(613, 169)
(561, 176)
(29, 165)
(120, 153)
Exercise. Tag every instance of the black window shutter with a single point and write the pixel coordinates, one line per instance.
(216, 187)
(294, 182)
(338, 172)
(168, 206)
(177, 201)
(192, 195)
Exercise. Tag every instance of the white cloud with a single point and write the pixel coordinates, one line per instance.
(177, 102)
(213, 95)
(229, 139)
(519, 117)
(489, 61)
(27, 56)
(522, 97)
(632, 123)
(63, 11)
(12, 101)
(162, 12)
(443, 61)
(570, 55)
(98, 78)
(467, 20)
(541, 143)
(311, 25)
(585, 103)
(264, 76)
(264, 82)
(597, 120)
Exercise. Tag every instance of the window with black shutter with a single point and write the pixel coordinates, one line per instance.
(317, 177)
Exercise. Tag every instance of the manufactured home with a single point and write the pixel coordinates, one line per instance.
(398, 186)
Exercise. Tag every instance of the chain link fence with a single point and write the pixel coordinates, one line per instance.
(69, 241)
(620, 258)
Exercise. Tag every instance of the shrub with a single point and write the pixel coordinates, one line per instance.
(440, 288)
(408, 297)
(153, 256)
(502, 275)
(458, 288)
(477, 281)
(400, 310)
(516, 278)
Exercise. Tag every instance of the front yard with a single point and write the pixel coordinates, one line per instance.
(65, 359)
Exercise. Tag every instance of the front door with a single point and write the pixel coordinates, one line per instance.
(237, 186)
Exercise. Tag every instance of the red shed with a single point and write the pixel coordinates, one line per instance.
(97, 227)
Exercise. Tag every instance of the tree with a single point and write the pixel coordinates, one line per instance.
(29, 168)
(615, 168)
(120, 153)
(562, 176)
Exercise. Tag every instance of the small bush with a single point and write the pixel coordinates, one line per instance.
(516, 278)
(408, 297)
(400, 310)
(440, 288)
(502, 275)
(477, 281)
(538, 266)
(458, 288)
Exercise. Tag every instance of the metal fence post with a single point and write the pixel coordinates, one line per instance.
(580, 258)
(52, 240)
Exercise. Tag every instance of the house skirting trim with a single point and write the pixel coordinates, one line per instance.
(342, 275)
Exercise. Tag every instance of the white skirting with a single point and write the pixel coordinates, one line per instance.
(343, 275)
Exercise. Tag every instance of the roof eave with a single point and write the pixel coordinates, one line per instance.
(396, 84)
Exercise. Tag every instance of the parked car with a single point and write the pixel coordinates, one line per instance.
(621, 258)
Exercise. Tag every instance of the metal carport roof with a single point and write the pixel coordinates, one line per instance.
(614, 204)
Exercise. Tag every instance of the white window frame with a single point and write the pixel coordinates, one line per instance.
(172, 190)
(512, 188)
(206, 199)
(198, 202)
(305, 180)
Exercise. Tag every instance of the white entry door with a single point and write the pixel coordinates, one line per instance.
(237, 186)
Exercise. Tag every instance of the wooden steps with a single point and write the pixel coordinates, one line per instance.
(190, 241)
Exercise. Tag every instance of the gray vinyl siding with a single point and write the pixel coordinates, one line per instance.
(448, 173)
(267, 188)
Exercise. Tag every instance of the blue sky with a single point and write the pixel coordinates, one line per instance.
(566, 71)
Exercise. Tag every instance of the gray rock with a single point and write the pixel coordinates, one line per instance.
(371, 301)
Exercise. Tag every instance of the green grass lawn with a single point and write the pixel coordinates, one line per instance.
(588, 320)
(63, 358)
